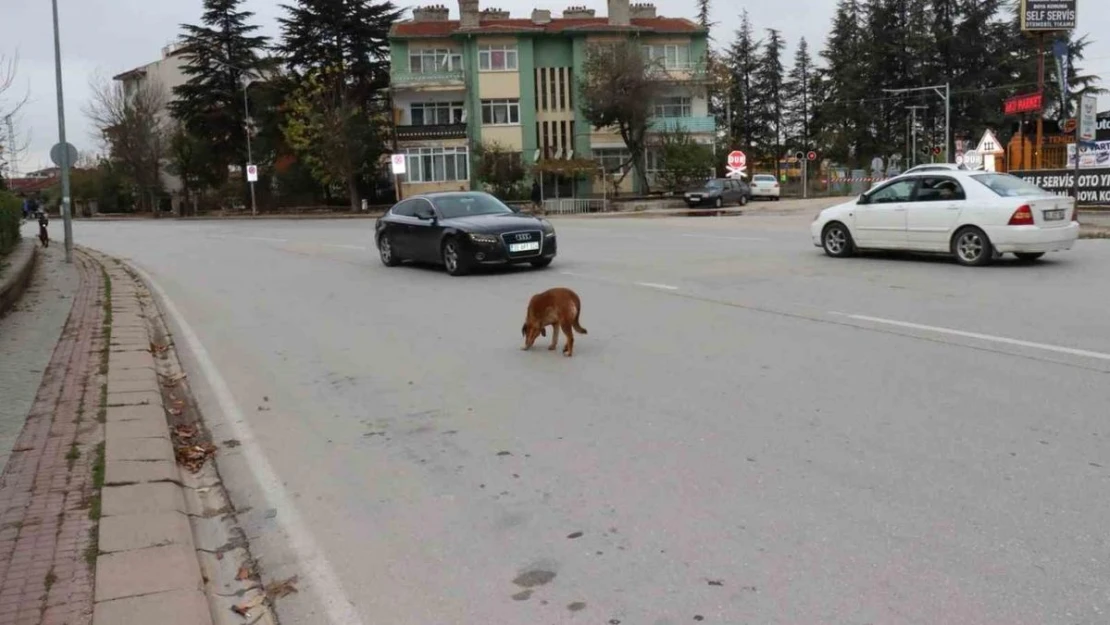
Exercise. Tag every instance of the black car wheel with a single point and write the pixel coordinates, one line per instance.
(386, 252)
(718, 203)
(972, 247)
(743, 199)
(542, 262)
(837, 240)
(453, 259)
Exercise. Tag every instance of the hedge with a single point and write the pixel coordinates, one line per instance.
(11, 214)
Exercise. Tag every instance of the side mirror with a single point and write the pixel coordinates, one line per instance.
(425, 214)
(862, 200)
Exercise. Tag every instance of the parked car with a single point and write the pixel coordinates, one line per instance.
(973, 215)
(765, 186)
(718, 192)
(461, 231)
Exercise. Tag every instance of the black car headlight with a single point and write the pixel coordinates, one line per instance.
(485, 239)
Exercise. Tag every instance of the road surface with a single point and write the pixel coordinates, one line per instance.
(750, 433)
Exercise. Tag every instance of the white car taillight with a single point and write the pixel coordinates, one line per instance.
(1023, 216)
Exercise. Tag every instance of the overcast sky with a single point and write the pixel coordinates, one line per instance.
(105, 37)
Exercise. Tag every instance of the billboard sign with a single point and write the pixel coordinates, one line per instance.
(1094, 185)
(1028, 103)
(1088, 118)
(1047, 15)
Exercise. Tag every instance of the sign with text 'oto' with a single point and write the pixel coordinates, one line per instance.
(1048, 15)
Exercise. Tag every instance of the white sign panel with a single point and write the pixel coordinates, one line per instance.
(1088, 118)
(397, 162)
(252, 173)
(973, 159)
(1090, 157)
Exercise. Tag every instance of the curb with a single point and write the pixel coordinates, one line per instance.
(15, 279)
(170, 549)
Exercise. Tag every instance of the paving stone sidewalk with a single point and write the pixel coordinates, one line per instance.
(48, 502)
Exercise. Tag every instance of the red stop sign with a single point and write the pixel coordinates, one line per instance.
(736, 159)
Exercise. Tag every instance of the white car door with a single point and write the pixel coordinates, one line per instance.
(880, 222)
(934, 212)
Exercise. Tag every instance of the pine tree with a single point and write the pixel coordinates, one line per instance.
(742, 62)
(703, 14)
(844, 82)
(799, 99)
(768, 100)
(221, 52)
(343, 46)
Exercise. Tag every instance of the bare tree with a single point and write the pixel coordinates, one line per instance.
(133, 126)
(12, 144)
(619, 89)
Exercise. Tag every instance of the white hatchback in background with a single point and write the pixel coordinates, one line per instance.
(973, 215)
(765, 186)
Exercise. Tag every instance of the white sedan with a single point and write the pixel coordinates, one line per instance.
(975, 216)
(765, 186)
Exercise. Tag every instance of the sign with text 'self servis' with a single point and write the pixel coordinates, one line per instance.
(1046, 15)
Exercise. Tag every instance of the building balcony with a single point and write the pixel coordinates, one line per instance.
(680, 72)
(431, 132)
(444, 81)
(692, 125)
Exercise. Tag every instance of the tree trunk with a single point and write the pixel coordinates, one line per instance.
(352, 192)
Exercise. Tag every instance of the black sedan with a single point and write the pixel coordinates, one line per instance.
(462, 231)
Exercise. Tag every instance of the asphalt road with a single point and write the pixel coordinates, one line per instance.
(750, 433)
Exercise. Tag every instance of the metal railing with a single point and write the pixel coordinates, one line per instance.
(704, 124)
(574, 206)
(420, 79)
(431, 131)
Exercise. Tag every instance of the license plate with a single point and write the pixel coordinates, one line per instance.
(1054, 215)
(524, 247)
(695, 198)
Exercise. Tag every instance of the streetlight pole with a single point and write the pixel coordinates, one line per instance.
(913, 131)
(66, 217)
(247, 129)
(245, 76)
(945, 93)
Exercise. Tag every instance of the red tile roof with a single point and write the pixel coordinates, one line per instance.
(557, 25)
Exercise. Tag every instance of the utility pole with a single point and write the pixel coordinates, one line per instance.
(68, 222)
(945, 93)
(913, 129)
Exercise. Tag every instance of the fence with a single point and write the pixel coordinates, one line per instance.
(574, 206)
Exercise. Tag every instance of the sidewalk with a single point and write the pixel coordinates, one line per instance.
(47, 491)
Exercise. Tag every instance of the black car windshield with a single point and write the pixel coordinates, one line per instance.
(714, 184)
(452, 206)
(1010, 186)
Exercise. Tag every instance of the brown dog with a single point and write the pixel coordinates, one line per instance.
(558, 308)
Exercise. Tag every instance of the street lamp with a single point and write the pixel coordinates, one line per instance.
(945, 92)
(66, 214)
(247, 80)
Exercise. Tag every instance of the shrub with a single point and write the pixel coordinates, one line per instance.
(11, 214)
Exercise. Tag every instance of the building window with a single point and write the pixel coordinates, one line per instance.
(497, 58)
(613, 160)
(500, 112)
(437, 113)
(673, 106)
(430, 61)
(669, 56)
(437, 164)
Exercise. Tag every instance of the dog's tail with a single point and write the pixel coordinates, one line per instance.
(577, 326)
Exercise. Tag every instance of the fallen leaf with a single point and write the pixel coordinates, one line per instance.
(243, 573)
(277, 590)
(244, 608)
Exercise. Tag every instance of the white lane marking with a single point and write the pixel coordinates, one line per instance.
(724, 238)
(267, 239)
(346, 247)
(324, 582)
(656, 285)
(982, 337)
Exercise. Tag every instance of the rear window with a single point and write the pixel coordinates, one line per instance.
(764, 178)
(1006, 185)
